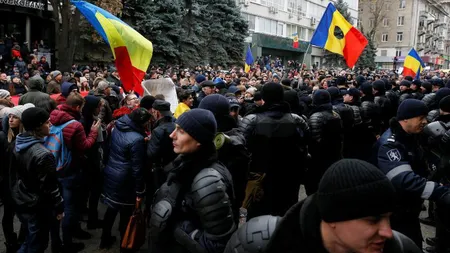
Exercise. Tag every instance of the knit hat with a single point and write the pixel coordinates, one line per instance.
(417, 83)
(427, 85)
(444, 105)
(355, 93)
(55, 73)
(147, 102)
(411, 108)
(360, 80)
(34, 117)
(4, 93)
(441, 93)
(366, 88)
(334, 93)
(405, 83)
(379, 86)
(140, 116)
(200, 124)
(102, 85)
(272, 93)
(83, 79)
(215, 103)
(321, 97)
(163, 107)
(437, 82)
(409, 78)
(200, 78)
(353, 189)
(18, 110)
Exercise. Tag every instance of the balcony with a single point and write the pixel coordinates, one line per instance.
(429, 34)
(420, 46)
(423, 14)
(439, 22)
(422, 30)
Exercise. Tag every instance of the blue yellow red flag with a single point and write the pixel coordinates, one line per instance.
(352, 43)
(248, 59)
(132, 51)
(413, 64)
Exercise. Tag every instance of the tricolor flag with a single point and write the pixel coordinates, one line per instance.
(413, 64)
(248, 59)
(350, 46)
(132, 51)
(295, 40)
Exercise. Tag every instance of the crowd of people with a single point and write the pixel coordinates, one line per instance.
(369, 148)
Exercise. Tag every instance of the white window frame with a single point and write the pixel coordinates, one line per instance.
(384, 37)
(402, 4)
(399, 35)
(402, 19)
(385, 22)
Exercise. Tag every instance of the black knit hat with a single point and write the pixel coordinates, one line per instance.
(444, 105)
(215, 103)
(405, 83)
(200, 124)
(417, 83)
(441, 93)
(379, 86)
(352, 189)
(427, 85)
(321, 97)
(140, 116)
(272, 93)
(335, 93)
(147, 102)
(411, 108)
(34, 117)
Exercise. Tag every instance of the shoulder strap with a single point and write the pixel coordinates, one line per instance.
(66, 124)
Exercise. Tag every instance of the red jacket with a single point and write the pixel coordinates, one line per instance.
(74, 136)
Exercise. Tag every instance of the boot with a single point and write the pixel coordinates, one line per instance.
(12, 247)
(106, 243)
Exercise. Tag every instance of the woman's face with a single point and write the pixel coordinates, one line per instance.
(182, 142)
(132, 101)
(16, 80)
(189, 101)
(14, 121)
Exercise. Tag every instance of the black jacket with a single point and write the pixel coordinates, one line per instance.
(33, 175)
(297, 231)
(159, 147)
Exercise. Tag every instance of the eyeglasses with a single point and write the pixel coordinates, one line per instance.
(133, 98)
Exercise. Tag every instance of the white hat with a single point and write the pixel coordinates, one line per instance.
(18, 110)
(4, 93)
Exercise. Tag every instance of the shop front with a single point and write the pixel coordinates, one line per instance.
(28, 23)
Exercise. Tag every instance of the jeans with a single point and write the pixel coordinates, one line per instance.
(38, 224)
(71, 191)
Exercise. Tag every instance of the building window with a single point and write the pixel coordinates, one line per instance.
(383, 52)
(386, 5)
(402, 4)
(280, 29)
(371, 23)
(399, 36)
(398, 53)
(359, 23)
(401, 21)
(384, 37)
(422, 23)
(385, 22)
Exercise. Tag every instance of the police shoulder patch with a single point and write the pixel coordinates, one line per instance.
(394, 155)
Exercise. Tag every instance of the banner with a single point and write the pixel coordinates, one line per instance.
(163, 86)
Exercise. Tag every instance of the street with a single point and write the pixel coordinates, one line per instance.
(92, 244)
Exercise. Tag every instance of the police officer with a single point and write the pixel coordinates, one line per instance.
(400, 157)
(349, 213)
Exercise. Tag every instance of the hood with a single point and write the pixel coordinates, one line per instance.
(125, 124)
(66, 87)
(91, 104)
(36, 83)
(25, 140)
(62, 114)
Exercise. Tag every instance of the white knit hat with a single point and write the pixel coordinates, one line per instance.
(4, 93)
(18, 110)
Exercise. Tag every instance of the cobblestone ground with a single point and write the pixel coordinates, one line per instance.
(92, 244)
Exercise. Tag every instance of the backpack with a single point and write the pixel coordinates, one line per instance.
(55, 143)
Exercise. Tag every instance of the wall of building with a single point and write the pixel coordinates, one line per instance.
(284, 18)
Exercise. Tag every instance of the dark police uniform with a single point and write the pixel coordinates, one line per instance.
(401, 158)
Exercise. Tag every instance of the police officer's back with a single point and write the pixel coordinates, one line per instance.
(399, 155)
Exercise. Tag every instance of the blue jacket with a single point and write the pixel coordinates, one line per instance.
(401, 159)
(124, 179)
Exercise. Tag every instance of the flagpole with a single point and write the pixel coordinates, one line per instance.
(304, 57)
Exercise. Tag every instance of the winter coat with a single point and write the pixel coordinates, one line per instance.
(160, 147)
(53, 87)
(123, 174)
(74, 137)
(34, 168)
(37, 97)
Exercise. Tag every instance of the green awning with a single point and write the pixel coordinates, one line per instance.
(281, 43)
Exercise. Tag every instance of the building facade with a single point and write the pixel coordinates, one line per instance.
(273, 23)
(406, 24)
